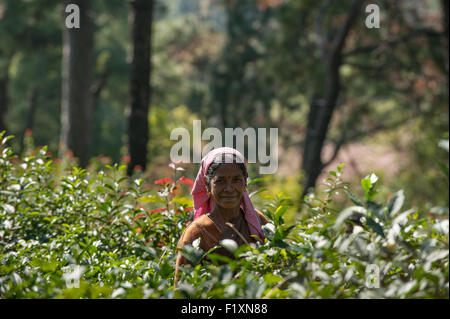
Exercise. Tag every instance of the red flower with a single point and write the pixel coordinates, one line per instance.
(106, 159)
(68, 153)
(139, 216)
(160, 243)
(186, 181)
(138, 168)
(164, 181)
(157, 210)
(28, 132)
(122, 193)
(126, 159)
(189, 209)
(174, 189)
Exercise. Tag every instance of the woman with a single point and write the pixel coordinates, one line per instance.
(223, 209)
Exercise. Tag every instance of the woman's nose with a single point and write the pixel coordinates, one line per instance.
(228, 186)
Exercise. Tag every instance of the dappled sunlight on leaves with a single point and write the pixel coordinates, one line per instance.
(78, 234)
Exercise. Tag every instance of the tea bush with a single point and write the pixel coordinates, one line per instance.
(78, 234)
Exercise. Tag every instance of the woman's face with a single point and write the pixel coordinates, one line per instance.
(228, 185)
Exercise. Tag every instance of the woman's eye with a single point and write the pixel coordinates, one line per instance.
(234, 181)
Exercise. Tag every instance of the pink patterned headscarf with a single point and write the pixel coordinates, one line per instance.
(203, 203)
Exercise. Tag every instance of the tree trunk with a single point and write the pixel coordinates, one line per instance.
(3, 100)
(138, 129)
(312, 163)
(77, 71)
(30, 116)
(32, 109)
(445, 8)
(321, 110)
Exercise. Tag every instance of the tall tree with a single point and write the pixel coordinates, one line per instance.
(7, 34)
(445, 8)
(400, 66)
(30, 116)
(322, 108)
(25, 30)
(138, 129)
(240, 82)
(77, 70)
(3, 96)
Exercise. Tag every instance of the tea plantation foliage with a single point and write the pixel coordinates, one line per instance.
(67, 233)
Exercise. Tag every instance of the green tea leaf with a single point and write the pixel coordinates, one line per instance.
(376, 209)
(229, 244)
(353, 198)
(271, 279)
(256, 192)
(151, 199)
(372, 224)
(255, 180)
(444, 168)
(366, 184)
(279, 214)
(183, 201)
(9, 208)
(444, 144)
(347, 213)
(396, 203)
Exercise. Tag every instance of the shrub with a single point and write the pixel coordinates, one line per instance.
(78, 234)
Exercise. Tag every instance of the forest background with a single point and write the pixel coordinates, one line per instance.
(375, 99)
